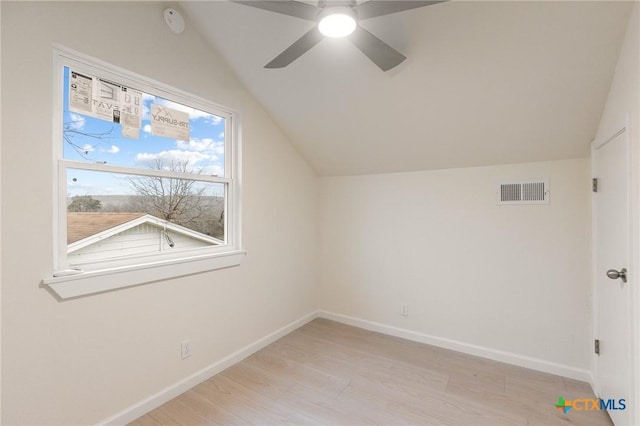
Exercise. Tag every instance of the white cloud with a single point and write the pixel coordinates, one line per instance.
(88, 148)
(213, 171)
(113, 150)
(215, 120)
(146, 128)
(76, 123)
(206, 144)
(174, 155)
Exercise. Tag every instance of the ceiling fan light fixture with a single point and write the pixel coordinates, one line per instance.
(339, 21)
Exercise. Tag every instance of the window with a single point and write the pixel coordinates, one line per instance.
(146, 180)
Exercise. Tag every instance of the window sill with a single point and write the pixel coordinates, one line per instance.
(91, 282)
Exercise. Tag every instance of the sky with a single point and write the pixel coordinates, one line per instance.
(91, 139)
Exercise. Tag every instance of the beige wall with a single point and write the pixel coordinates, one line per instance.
(509, 278)
(80, 361)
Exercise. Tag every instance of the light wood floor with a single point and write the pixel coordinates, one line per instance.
(329, 373)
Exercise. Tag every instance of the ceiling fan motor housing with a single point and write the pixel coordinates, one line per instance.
(337, 21)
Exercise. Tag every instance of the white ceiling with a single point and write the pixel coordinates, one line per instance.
(484, 83)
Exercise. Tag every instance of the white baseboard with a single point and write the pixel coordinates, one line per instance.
(141, 408)
(493, 354)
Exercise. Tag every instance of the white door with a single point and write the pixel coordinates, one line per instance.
(613, 296)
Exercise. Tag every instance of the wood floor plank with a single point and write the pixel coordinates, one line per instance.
(146, 420)
(235, 400)
(182, 414)
(159, 416)
(213, 413)
(281, 368)
(273, 411)
(326, 373)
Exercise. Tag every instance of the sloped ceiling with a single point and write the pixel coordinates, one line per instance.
(484, 83)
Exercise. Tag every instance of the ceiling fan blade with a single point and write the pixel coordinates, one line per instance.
(297, 49)
(383, 55)
(374, 8)
(285, 7)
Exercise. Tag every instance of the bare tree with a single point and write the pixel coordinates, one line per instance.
(71, 131)
(180, 201)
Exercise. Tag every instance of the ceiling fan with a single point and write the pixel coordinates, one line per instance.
(339, 19)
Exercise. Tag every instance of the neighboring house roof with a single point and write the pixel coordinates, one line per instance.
(94, 227)
(81, 225)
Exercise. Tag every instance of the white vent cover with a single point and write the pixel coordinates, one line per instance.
(533, 191)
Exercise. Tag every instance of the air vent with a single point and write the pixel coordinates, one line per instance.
(534, 191)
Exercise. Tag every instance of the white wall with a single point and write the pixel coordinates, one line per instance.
(80, 361)
(513, 279)
(623, 99)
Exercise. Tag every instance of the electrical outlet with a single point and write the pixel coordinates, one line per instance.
(185, 349)
(404, 310)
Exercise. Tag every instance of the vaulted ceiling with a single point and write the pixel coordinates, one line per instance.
(484, 83)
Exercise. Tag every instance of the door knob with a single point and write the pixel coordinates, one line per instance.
(614, 275)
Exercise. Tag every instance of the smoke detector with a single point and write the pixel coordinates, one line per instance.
(174, 20)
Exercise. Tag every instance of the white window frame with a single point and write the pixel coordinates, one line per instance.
(68, 282)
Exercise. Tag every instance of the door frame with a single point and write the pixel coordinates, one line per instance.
(633, 197)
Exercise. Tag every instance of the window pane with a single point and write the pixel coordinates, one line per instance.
(112, 215)
(109, 123)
